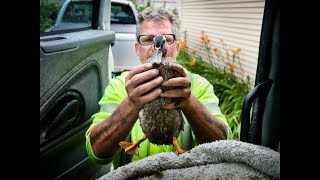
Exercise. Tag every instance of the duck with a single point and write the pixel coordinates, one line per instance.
(160, 126)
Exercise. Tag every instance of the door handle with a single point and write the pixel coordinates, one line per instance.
(58, 43)
(65, 119)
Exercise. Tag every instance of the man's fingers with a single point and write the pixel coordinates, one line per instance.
(144, 76)
(178, 81)
(176, 93)
(143, 88)
(139, 69)
(151, 96)
(178, 68)
(140, 78)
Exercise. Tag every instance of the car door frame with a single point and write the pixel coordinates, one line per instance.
(75, 66)
(260, 117)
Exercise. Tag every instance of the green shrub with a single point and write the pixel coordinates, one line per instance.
(230, 89)
(140, 7)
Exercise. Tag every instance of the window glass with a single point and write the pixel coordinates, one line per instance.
(66, 16)
(48, 13)
(78, 12)
(122, 14)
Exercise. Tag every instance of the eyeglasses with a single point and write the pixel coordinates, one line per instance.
(147, 40)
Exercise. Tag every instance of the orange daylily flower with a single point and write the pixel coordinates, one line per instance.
(238, 50)
(215, 49)
(193, 52)
(181, 43)
(202, 38)
(192, 62)
(232, 67)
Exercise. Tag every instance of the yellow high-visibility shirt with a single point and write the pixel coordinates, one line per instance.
(114, 94)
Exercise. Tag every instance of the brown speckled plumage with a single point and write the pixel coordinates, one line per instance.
(161, 125)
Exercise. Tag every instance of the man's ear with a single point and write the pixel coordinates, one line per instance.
(176, 50)
(177, 47)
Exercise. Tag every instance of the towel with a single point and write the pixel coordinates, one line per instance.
(224, 159)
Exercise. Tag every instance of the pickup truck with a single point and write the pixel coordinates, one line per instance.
(123, 18)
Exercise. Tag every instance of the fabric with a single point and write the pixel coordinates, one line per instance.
(225, 159)
(114, 94)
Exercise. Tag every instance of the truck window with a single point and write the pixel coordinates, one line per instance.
(78, 12)
(73, 16)
(122, 14)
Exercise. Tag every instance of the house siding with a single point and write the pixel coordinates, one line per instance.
(237, 22)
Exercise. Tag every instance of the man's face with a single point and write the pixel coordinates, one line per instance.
(151, 27)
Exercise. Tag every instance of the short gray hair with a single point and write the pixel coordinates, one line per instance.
(157, 14)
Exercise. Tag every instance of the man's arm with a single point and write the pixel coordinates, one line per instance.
(140, 85)
(205, 126)
(106, 135)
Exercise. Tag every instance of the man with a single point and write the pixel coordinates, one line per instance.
(126, 95)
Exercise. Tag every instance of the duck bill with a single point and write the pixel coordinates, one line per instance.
(157, 55)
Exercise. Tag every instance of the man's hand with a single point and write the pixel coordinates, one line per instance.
(141, 84)
(182, 88)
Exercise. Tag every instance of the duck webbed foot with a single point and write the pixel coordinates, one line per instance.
(177, 147)
(132, 148)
